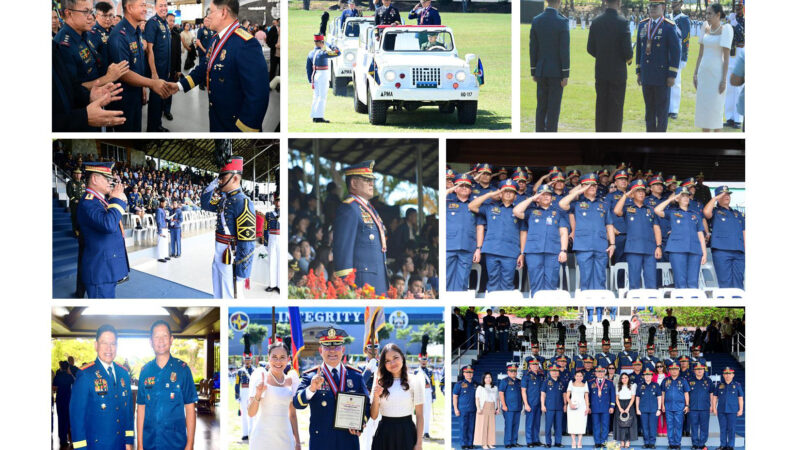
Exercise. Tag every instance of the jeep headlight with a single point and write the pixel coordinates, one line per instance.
(350, 56)
(389, 75)
(461, 76)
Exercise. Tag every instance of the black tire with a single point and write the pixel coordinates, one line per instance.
(360, 108)
(340, 86)
(377, 110)
(447, 108)
(467, 112)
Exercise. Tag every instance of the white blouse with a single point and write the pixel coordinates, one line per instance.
(485, 394)
(400, 402)
(626, 393)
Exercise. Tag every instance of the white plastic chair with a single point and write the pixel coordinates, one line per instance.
(615, 269)
(138, 230)
(688, 294)
(595, 295)
(552, 296)
(728, 294)
(666, 273)
(150, 227)
(645, 294)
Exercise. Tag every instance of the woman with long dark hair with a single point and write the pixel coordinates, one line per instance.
(711, 69)
(271, 392)
(395, 397)
(625, 427)
(488, 405)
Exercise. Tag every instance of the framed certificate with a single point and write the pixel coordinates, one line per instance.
(350, 409)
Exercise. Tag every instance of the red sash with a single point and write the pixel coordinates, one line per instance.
(329, 378)
(216, 48)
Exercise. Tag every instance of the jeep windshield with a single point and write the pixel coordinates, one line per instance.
(354, 28)
(417, 41)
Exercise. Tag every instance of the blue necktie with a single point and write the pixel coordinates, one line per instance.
(336, 376)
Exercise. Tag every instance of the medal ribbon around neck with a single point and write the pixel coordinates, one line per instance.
(218, 47)
(329, 377)
(653, 29)
(375, 219)
(600, 387)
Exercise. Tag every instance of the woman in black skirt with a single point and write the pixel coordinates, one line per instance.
(625, 427)
(396, 395)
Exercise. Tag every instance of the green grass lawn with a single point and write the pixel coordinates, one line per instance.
(486, 35)
(577, 106)
(438, 430)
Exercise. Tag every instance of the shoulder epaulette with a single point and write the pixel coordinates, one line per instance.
(313, 369)
(88, 196)
(348, 200)
(120, 366)
(86, 366)
(354, 368)
(669, 21)
(243, 34)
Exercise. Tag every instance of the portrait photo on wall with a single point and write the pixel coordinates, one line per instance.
(363, 217)
(609, 377)
(135, 378)
(346, 378)
(594, 219)
(133, 66)
(166, 218)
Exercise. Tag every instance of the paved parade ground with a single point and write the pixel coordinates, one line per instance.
(488, 36)
(578, 104)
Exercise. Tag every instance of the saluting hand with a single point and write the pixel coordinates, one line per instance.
(118, 191)
(316, 382)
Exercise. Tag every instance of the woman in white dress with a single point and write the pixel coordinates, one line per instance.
(577, 399)
(396, 397)
(271, 392)
(711, 70)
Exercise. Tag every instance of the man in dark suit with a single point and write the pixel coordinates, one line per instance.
(549, 52)
(610, 45)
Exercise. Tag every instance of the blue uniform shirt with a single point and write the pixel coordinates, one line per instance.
(164, 392)
(591, 218)
(602, 397)
(156, 32)
(727, 397)
(319, 58)
(177, 218)
(619, 222)
(533, 383)
(684, 226)
(426, 16)
(553, 394)
(544, 227)
(699, 393)
(683, 24)
(648, 395)
(465, 391)
(100, 409)
(78, 55)
(640, 221)
(502, 230)
(161, 219)
(673, 393)
(461, 222)
(236, 223)
(357, 245)
(727, 229)
(237, 83)
(512, 390)
(205, 36)
(105, 259)
(478, 190)
(664, 54)
(98, 40)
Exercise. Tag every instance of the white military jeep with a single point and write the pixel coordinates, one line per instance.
(345, 38)
(408, 66)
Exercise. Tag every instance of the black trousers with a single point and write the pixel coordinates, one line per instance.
(274, 63)
(548, 104)
(656, 107)
(609, 106)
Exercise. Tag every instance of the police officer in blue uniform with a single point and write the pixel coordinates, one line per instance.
(350, 11)
(620, 223)
(425, 14)
(489, 330)
(483, 180)
(464, 406)
(602, 399)
(648, 407)
(161, 231)
(510, 392)
(504, 237)
(683, 24)
(158, 36)
(727, 239)
(701, 390)
(532, 384)
(691, 184)
(686, 245)
(387, 14)
(657, 195)
(78, 55)
(462, 237)
(643, 242)
(503, 328)
(318, 73)
(175, 224)
(727, 404)
(206, 36)
(549, 57)
(98, 35)
(235, 232)
(577, 363)
(674, 403)
(167, 396)
(237, 76)
(535, 347)
(104, 260)
(319, 388)
(593, 232)
(100, 409)
(553, 406)
(359, 236)
(547, 239)
(658, 54)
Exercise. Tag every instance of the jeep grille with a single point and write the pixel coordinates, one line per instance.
(426, 76)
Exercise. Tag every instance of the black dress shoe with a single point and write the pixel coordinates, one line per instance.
(167, 259)
(321, 120)
(269, 289)
(244, 438)
(427, 436)
(162, 130)
(162, 260)
(168, 116)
